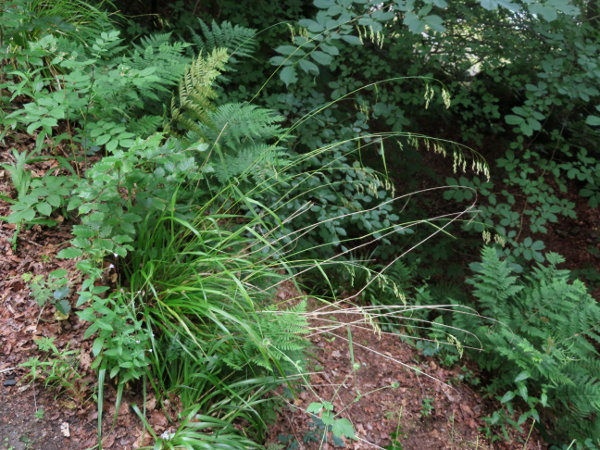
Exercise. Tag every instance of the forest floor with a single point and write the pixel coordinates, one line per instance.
(386, 387)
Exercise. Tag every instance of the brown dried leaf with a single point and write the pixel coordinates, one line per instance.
(158, 420)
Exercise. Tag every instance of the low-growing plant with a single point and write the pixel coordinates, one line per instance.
(427, 406)
(397, 435)
(58, 369)
(538, 344)
(53, 288)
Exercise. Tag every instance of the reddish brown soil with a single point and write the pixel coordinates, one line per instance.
(388, 393)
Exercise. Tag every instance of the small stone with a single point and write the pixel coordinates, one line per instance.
(10, 382)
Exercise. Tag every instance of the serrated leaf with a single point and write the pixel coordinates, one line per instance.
(69, 253)
(308, 66)
(122, 238)
(63, 307)
(288, 75)
(61, 292)
(414, 23)
(132, 218)
(54, 200)
(84, 232)
(87, 314)
(328, 418)
(44, 208)
(21, 216)
(513, 120)
(321, 57)
(280, 61)
(352, 40)
(343, 428)
(288, 50)
(112, 145)
(538, 245)
(314, 408)
(435, 22)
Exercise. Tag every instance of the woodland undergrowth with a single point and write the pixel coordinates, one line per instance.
(212, 160)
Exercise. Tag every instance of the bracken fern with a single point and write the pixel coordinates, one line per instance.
(545, 328)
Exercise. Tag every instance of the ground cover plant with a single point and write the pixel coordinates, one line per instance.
(206, 161)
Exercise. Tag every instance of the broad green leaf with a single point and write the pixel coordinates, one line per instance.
(288, 75)
(103, 139)
(538, 246)
(592, 120)
(314, 408)
(308, 66)
(507, 397)
(83, 231)
(523, 392)
(522, 376)
(311, 25)
(21, 216)
(98, 343)
(122, 238)
(546, 12)
(44, 208)
(87, 314)
(280, 61)
(54, 200)
(61, 293)
(132, 217)
(353, 40)
(59, 273)
(102, 324)
(63, 307)
(414, 23)
(328, 418)
(330, 49)
(435, 23)
(343, 428)
(321, 57)
(112, 145)
(324, 4)
(69, 253)
(489, 4)
(288, 50)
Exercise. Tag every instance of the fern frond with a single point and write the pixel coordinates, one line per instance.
(552, 324)
(493, 283)
(145, 125)
(190, 109)
(245, 122)
(239, 41)
(156, 50)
